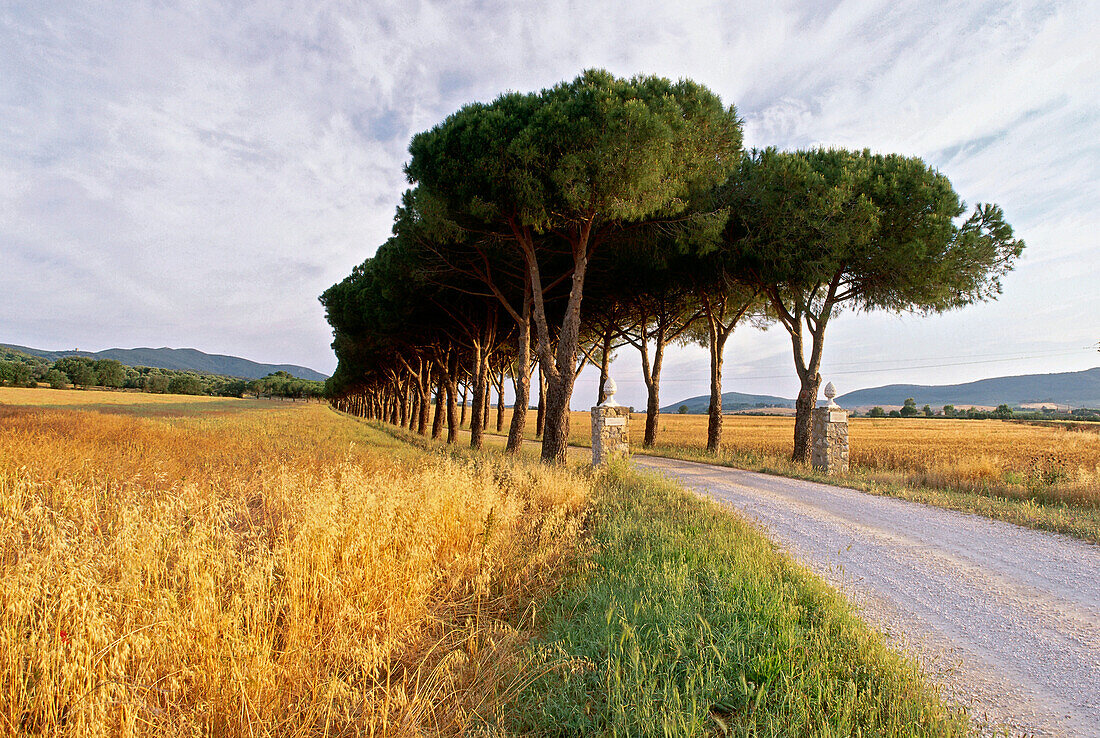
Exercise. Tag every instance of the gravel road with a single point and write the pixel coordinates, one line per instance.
(1006, 619)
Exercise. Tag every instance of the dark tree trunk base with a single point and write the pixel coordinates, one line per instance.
(804, 406)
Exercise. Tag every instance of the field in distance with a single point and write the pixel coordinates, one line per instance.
(126, 401)
(234, 568)
(1040, 475)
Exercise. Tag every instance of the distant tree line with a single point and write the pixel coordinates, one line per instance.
(1001, 412)
(21, 370)
(283, 384)
(548, 230)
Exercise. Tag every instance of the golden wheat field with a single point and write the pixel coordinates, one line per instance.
(260, 570)
(73, 397)
(1004, 458)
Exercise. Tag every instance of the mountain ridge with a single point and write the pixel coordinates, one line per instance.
(182, 359)
(1077, 389)
(731, 401)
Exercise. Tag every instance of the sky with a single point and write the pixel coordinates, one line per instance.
(196, 174)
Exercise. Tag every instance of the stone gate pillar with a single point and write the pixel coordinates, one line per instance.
(830, 436)
(610, 428)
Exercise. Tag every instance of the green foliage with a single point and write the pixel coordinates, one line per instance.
(619, 149)
(824, 229)
(949, 411)
(1003, 412)
(682, 410)
(80, 369)
(879, 229)
(894, 414)
(927, 410)
(184, 384)
(282, 384)
(109, 373)
(56, 379)
(522, 199)
(19, 357)
(16, 374)
(690, 623)
(86, 372)
(876, 412)
(909, 408)
(558, 175)
(156, 383)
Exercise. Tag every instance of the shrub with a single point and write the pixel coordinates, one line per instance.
(56, 379)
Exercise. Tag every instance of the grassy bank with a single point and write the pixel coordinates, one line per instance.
(688, 622)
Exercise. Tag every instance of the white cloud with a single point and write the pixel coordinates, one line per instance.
(198, 174)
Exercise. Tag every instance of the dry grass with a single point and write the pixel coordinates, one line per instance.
(262, 573)
(40, 396)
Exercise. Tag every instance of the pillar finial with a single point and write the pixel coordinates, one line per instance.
(610, 388)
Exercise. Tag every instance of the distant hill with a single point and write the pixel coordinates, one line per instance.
(731, 402)
(185, 359)
(1079, 389)
(7, 353)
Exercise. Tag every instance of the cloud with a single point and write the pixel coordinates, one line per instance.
(196, 174)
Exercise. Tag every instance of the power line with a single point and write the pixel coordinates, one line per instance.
(1018, 357)
(1008, 356)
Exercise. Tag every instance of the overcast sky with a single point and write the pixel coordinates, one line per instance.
(197, 174)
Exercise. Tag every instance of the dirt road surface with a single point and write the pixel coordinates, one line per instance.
(1006, 619)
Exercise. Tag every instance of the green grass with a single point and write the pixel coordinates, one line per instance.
(687, 621)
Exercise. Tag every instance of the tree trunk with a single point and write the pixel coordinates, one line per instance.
(500, 401)
(540, 414)
(714, 411)
(487, 399)
(521, 380)
(804, 405)
(452, 411)
(521, 383)
(652, 412)
(452, 396)
(653, 401)
(808, 369)
(479, 375)
(563, 374)
(406, 397)
(555, 438)
(465, 393)
(437, 421)
(559, 365)
(422, 406)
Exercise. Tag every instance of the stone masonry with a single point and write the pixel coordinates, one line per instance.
(830, 440)
(610, 432)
